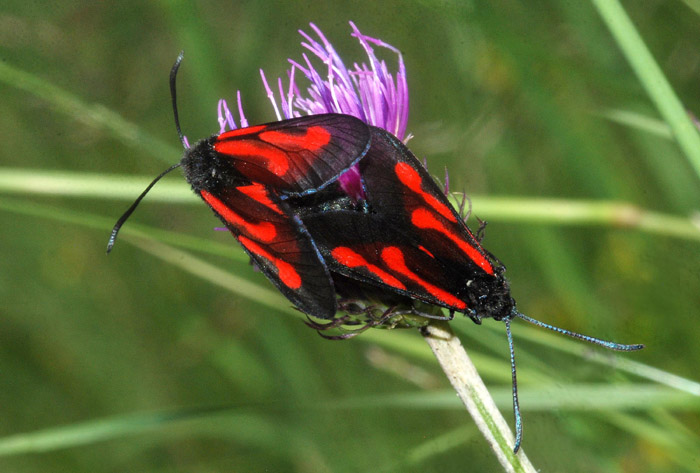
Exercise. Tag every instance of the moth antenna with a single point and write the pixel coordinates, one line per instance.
(130, 210)
(579, 336)
(586, 338)
(183, 140)
(173, 96)
(516, 403)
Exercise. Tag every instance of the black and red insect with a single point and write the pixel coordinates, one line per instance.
(402, 244)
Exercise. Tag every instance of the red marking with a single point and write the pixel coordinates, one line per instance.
(393, 257)
(258, 193)
(315, 138)
(410, 178)
(349, 258)
(422, 218)
(285, 271)
(271, 148)
(425, 250)
(263, 231)
(276, 161)
(240, 132)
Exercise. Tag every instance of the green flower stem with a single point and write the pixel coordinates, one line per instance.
(588, 212)
(471, 390)
(510, 209)
(92, 186)
(652, 78)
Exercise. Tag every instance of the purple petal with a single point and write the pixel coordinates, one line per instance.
(368, 91)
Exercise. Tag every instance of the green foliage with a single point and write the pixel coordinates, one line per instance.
(171, 354)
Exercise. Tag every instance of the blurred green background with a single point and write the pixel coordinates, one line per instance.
(137, 362)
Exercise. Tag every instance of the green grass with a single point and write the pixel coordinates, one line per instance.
(171, 354)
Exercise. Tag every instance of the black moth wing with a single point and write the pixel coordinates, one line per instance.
(408, 238)
(369, 248)
(296, 156)
(399, 187)
(278, 243)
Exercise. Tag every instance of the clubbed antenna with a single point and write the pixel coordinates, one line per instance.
(130, 210)
(595, 341)
(173, 96)
(183, 140)
(516, 403)
(586, 338)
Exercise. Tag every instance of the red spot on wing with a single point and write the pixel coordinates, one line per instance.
(259, 193)
(349, 258)
(394, 258)
(285, 271)
(240, 132)
(315, 138)
(423, 218)
(410, 178)
(425, 250)
(271, 149)
(263, 231)
(274, 160)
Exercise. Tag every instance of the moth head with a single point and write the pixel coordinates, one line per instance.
(489, 300)
(204, 169)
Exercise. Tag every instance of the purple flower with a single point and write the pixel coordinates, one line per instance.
(368, 91)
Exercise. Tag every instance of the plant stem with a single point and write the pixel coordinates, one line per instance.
(505, 209)
(471, 390)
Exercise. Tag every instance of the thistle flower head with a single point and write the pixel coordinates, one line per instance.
(368, 91)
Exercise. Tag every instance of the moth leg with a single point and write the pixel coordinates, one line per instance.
(335, 323)
(355, 332)
(480, 231)
(475, 317)
(427, 315)
(465, 212)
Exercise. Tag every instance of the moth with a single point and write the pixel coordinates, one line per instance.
(398, 240)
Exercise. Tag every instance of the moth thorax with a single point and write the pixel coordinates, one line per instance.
(205, 169)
